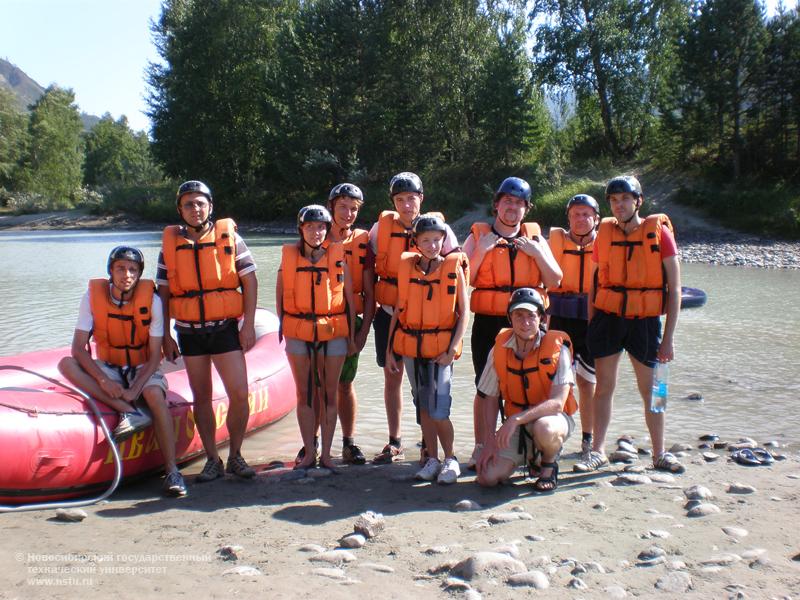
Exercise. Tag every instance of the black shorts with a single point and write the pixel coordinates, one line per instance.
(576, 329)
(484, 329)
(380, 325)
(217, 341)
(609, 334)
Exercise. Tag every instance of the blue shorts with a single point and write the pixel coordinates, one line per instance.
(609, 334)
(430, 386)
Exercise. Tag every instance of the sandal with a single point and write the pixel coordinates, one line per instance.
(763, 456)
(746, 457)
(389, 454)
(667, 461)
(549, 483)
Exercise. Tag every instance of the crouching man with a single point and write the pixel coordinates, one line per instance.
(530, 368)
(124, 316)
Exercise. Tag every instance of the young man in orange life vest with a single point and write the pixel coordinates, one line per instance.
(389, 238)
(568, 308)
(314, 300)
(123, 314)
(427, 328)
(207, 282)
(503, 256)
(530, 368)
(638, 279)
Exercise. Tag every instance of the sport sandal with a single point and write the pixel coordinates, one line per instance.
(549, 483)
(213, 469)
(667, 461)
(595, 461)
(389, 454)
(239, 467)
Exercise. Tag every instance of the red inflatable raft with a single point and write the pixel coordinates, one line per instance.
(51, 446)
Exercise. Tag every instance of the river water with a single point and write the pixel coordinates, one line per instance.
(738, 351)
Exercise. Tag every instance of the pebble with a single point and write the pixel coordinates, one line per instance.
(354, 540)
(244, 571)
(488, 563)
(698, 492)
(334, 557)
(508, 517)
(721, 560)
(741, 445)
(595, 567)
(482, 524)
(692, 503)
(709, 437)
(377, 567)
(634, 469)
(710, 456)
(658, 560)
(312, 548)
(741, 488)
(437, 550)
(753, 553)
(532, 579)
(71, 515)
(660, 477)
(659, 533)
(651, 553)
(793, 475)
(511, 549)
(454, 584)
(443, 567)
(626, 446)
(680, 448)
(230, 552)
(540, 561)
(465, 505)
(771, 444)
(329, 572)
(578, 570)
(600, 506)
(615, 592)
(720, 445)
(704, 446)
(620, 456)
(695, 397)
(631, 479)
(534, 538)
(472, 595)
(796, 557)
(369, 524)
(703, 510)
(735, 531)
(676, 565)
(676, 582)
(576, 583)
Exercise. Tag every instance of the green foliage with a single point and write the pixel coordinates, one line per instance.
(115, 155)
(153, 201)
(550, 207)
(13, 137)
(52, 163)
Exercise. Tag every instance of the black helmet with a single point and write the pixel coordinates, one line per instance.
(515, 187)
(187, 187)
(405, 182)
(429, 222)
(349, 190)
(125, 253)
(583, 200)
(525, 298)
(623, 184)
(314, 213)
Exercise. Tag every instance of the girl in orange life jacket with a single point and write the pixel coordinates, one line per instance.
(568, 309)
(427, 328)
(503, 256)
(314, 300)
(389, 238)
(637, 278)
(530, 367)
(201, 267)
(124, 316)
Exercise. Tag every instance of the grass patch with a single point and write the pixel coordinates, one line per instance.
(549, 209)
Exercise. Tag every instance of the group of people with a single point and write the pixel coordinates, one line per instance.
(549, 315)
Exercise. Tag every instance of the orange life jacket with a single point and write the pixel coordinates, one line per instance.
(526, 383)
(203, 282)
(313, 294)
(631, 281)
(503, 270)
(121, 334)
(355, 254)
(570, 298)
(428, 306)
(394, 238)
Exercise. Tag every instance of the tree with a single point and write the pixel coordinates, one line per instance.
(13, 137)
(116, 155)
(52, 163)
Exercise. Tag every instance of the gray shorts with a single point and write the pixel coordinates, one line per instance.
(431, 394)
(157, 379)
(513, 450)
(335, 347)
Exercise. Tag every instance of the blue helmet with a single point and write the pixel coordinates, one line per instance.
(624, 184)
(514, 186)
(583, 200)
(345, 189)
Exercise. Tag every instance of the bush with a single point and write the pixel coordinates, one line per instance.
(153, 202)
(549, 208)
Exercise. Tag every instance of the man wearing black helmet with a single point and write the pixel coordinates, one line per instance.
(530, 368)
(638, 279)
(207, 283)
(504, 255)
(389, 238)
(568, 308)
(124, 316)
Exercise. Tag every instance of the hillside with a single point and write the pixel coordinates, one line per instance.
(27, 91)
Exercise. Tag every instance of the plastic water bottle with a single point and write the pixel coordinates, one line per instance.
(658, 399)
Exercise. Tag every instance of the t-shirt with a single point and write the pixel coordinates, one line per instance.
(489, 384)
(86, 319)
(668, 246)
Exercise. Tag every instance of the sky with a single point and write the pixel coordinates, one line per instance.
(99, 48)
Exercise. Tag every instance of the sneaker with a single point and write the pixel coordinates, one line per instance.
(450, 471)
(212, 470)
(596, 460)
(353, 455)
(389, 454)
(586, 451)
(174, 485)
(429, 471)
(239, 467)
(476, 455)
(130, 423)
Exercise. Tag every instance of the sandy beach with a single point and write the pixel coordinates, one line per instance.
(595, 537)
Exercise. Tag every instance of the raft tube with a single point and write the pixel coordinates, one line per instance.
(692, 297)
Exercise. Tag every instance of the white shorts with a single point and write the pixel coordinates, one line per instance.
(157, 379)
